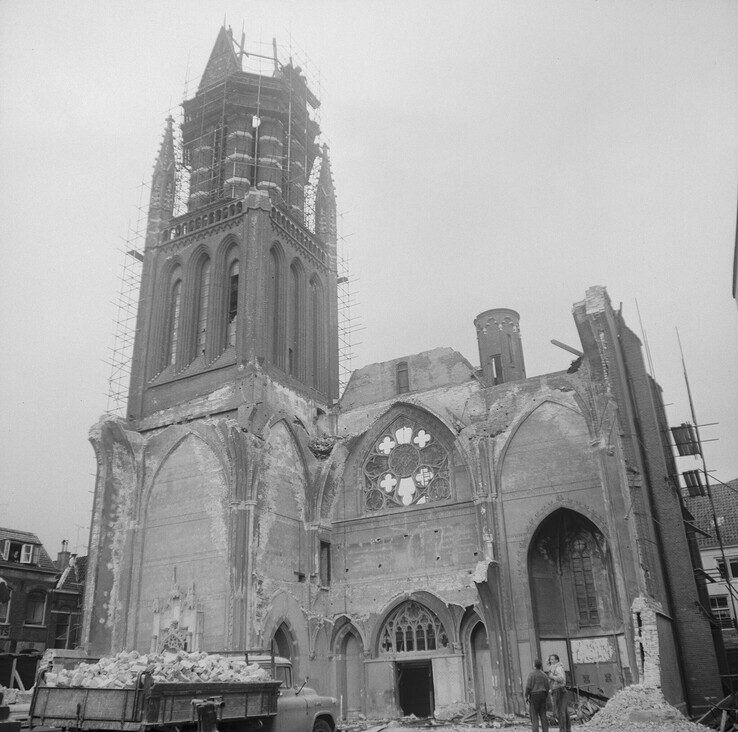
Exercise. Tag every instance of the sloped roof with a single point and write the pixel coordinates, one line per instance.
(725, 498)
(15, 535)
(45, 562)
(73, 577)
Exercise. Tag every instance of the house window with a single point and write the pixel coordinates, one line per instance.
(29, 554)
(721, 610)
(406, 466)
(35, 608)
(403, 378)
(724, 573)
(233, 273)
(733, 564)
(325, 564)
(64, 627)
(4, 602)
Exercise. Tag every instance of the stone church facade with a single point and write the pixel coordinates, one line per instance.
(413, 545)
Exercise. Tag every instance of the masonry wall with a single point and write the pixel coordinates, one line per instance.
(695, 648)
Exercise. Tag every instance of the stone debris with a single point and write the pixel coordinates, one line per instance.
(122, 670)
(639, 707)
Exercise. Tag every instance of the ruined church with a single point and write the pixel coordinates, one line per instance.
(413, 543)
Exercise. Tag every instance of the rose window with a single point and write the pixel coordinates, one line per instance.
(406, 466)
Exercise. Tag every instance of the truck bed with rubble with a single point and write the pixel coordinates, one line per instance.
(134, 692)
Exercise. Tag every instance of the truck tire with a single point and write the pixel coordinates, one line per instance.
(321, 726)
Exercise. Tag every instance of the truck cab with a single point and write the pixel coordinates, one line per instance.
(299, 708)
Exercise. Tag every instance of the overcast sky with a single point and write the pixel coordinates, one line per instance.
(485, 154)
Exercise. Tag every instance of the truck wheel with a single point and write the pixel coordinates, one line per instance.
(321, 726)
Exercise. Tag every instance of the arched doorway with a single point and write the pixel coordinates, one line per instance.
(282, 642)
(351, 673)
(485, 685)
(413, 635)
(574, 602)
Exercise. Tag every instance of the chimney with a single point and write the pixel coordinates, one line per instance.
(500, 347)
(62, 558)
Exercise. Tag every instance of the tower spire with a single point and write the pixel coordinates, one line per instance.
(222, 61)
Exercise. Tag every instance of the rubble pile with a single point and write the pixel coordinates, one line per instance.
(122, 670)
(640, 708)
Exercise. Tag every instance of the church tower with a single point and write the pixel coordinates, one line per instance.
(199, 515)
(239, 287)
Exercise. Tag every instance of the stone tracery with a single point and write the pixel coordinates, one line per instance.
(407, 465)
(412, 627)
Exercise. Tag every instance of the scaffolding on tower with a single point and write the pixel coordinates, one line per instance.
(120, 353)
(264, 60)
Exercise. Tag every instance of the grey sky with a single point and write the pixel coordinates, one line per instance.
(485, 154)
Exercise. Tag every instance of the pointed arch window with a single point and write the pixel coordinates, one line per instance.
(275, 307)
(408, 465)
(412, 627)
(316, 333)
(174, 306)
(232, 302)
(293, 352)
(203, 303)
(584, 583)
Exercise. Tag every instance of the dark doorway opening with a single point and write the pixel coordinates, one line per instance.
(415, 687)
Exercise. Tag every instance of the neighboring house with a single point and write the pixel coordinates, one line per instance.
(40, 600)
(30, 576)
(723, 573)
(67, 600)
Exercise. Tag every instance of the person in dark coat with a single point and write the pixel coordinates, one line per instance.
(536, 694)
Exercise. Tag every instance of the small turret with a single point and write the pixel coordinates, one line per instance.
(500, 347)
(325, 202)
(161, 203)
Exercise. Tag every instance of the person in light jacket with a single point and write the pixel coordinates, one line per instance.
(557, 675)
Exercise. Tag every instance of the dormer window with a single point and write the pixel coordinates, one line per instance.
(403, 378)
(16, 551)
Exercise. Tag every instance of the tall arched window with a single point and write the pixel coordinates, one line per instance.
(232, 303)
(316, 333)
(294, 356)
(584, 583)
(203, 302)
(274, 307)
(174, 306)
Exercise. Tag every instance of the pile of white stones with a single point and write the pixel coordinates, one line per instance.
(122, 670)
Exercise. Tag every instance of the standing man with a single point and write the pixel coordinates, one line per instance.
(558, 691)
(536, 694)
